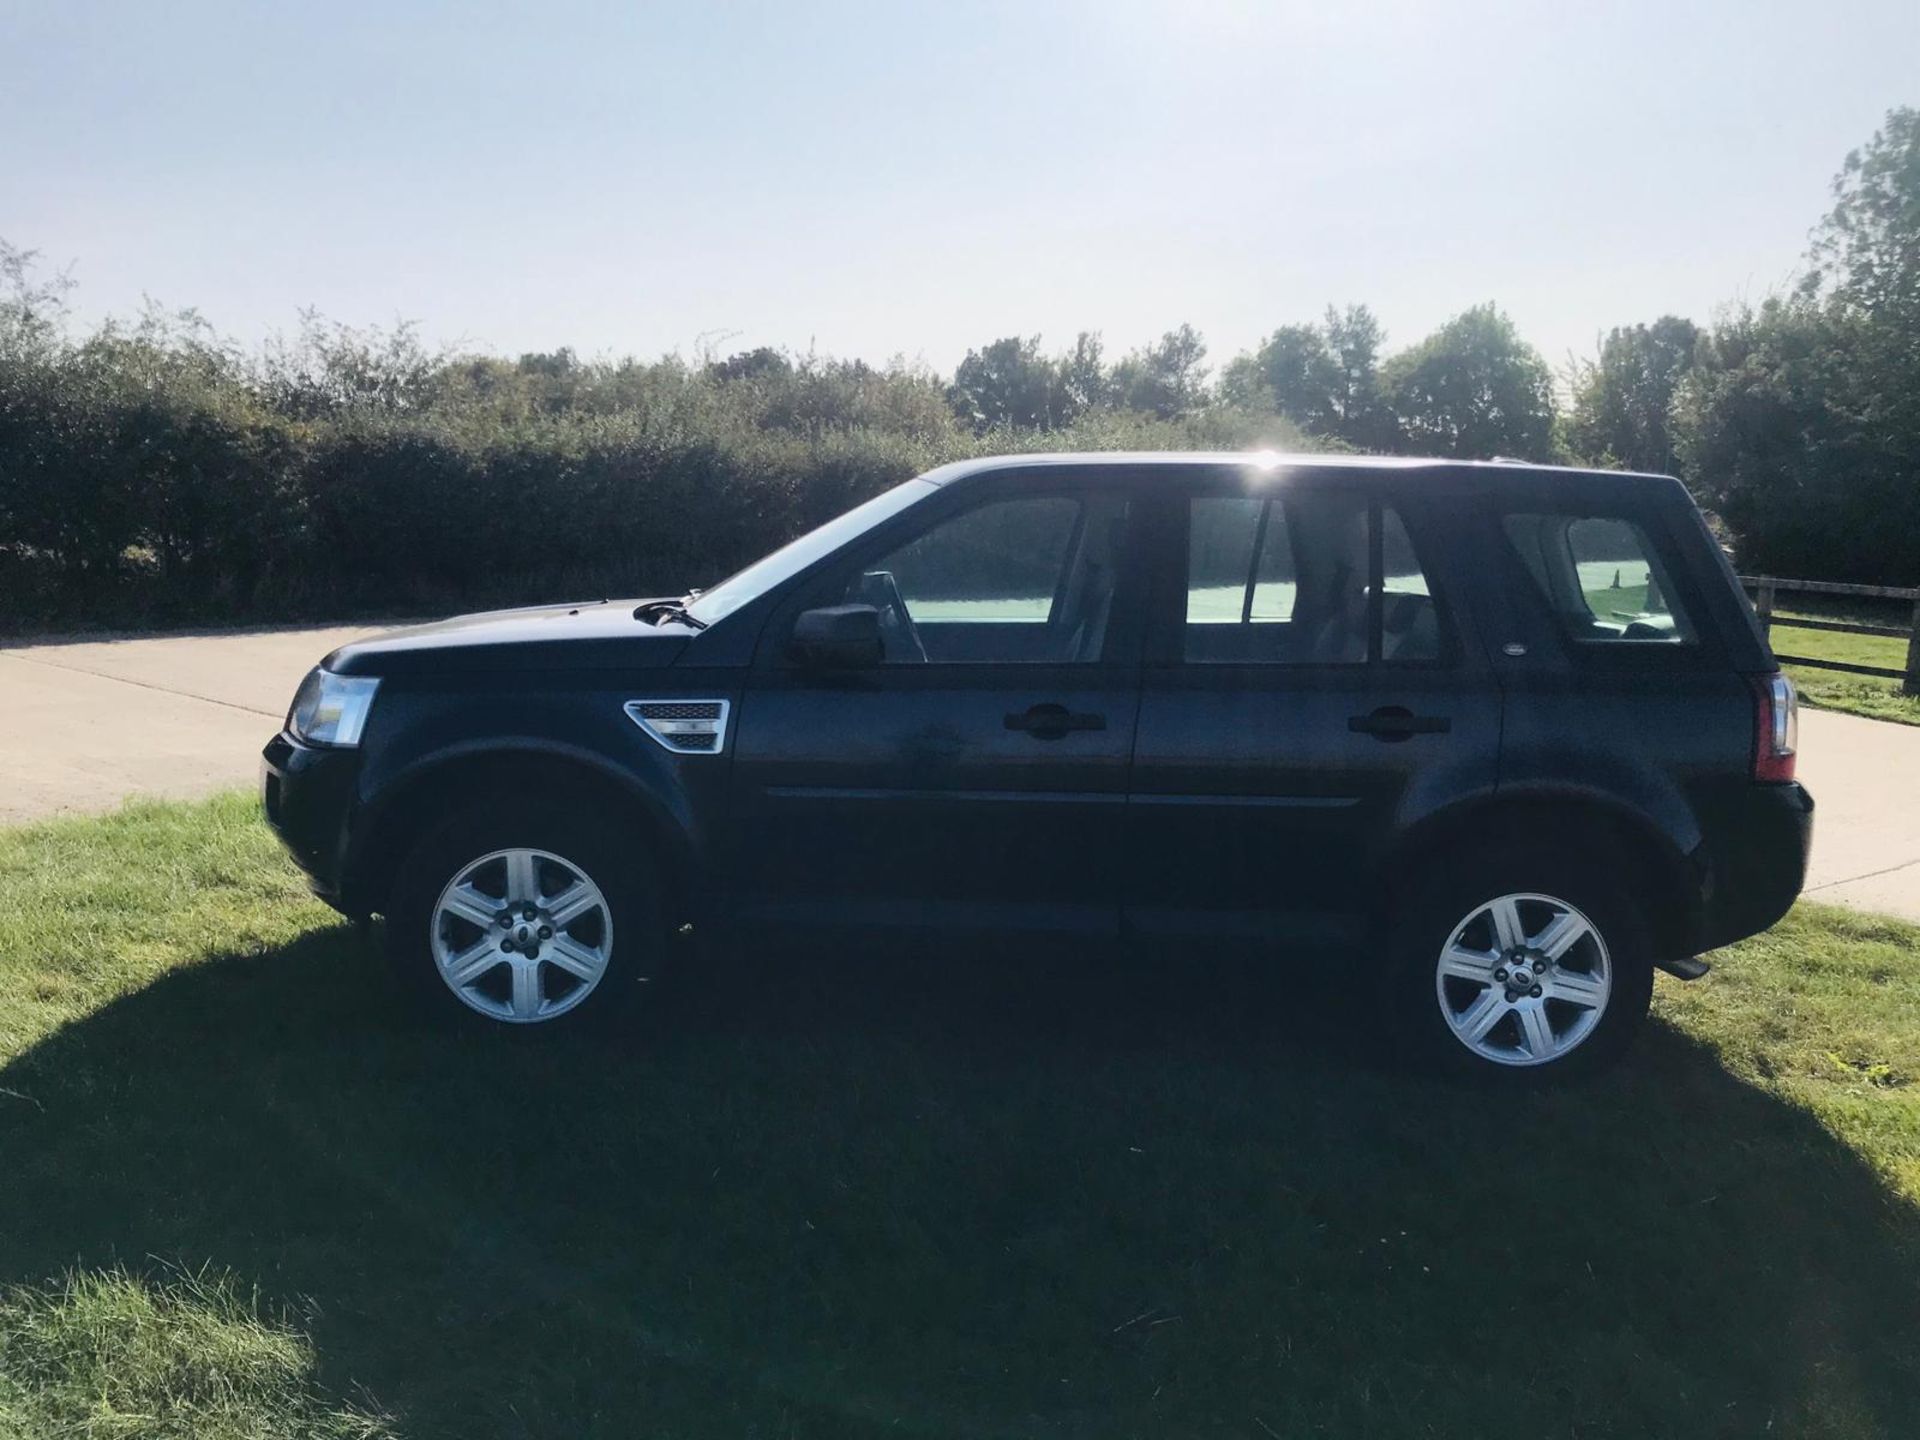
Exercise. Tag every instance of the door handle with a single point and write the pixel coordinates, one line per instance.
(1051, 722)
(1396, 722)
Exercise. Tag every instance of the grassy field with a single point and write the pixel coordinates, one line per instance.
(240, 1195)
(1856, 694)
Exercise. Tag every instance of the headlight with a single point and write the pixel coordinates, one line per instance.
(331, 709)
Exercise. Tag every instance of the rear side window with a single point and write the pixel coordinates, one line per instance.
(1289, 580)
(1602, 577)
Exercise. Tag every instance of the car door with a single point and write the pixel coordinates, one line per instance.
(976, 778)
(1306, 692)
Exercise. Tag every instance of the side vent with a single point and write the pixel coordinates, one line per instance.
(686, 727)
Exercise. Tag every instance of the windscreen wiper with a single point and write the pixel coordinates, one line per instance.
(654, 611)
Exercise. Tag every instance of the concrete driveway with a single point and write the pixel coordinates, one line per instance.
(84, 725)
(1865, 779)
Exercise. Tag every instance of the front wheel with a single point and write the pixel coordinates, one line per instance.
(525, 918)
(1527, 964)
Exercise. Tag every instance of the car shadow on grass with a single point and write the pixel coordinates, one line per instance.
(861, 1192)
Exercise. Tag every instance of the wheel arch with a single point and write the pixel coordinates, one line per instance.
(427, 791)
(1655, 868)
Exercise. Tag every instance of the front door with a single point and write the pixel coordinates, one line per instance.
(1305, 694)
(976, 779)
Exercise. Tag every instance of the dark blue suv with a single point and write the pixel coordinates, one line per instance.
(1509, 734)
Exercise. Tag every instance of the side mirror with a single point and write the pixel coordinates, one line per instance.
(837, 637)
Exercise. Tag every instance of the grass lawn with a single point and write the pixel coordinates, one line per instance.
(1856, 694)
(241, 1195)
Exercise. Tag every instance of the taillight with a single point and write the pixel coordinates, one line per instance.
(1776, 727)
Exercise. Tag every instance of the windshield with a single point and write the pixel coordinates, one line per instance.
(790, 559)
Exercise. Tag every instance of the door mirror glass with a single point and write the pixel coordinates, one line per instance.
(837, 637)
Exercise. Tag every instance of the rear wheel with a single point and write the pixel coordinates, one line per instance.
(524, 917)
(1536, 964)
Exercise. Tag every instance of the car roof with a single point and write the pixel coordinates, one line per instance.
(1268, 460)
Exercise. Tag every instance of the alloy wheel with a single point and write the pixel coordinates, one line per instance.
(1524, 979)
(522, 935)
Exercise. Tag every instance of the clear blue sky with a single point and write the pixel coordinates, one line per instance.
(883, 179)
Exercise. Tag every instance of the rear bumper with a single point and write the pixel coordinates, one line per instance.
(1758, 865)
(308, 795)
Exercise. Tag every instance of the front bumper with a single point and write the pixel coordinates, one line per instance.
(307, 793)
(1759, 864)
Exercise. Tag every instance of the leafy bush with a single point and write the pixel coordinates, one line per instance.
(152, 474)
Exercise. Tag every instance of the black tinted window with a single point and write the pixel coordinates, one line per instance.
(1285, 580)
(1002, 562)
(1602, 576)
(1409, 624)
(1023, 581)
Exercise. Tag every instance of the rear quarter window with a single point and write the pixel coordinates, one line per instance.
(1604, 579)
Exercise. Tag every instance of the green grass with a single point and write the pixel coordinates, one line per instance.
(894, 1194)
(110, 1354)
(1867, 695)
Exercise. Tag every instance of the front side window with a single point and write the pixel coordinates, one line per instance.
(1000, 564)
(1602, 576)
(1024, 581)
(1290, 580)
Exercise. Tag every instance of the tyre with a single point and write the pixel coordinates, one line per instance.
(1523, 964)
(526, 916)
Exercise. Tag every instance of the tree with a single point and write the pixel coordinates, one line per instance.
(1167, 378)
(1800, 422)
(1355, 337)
(1866, 253)
(1006, 383)
(1472, 389)
(33, 312)
(1623, 398)
(1324, 378)
(1301, 378)
(1242, 386)
(763, 362)
(1085, 382)
(1770, 437)
(1866, 257)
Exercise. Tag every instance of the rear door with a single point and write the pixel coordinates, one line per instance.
(1309, 688)
(1621, 645)
(977, 778)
